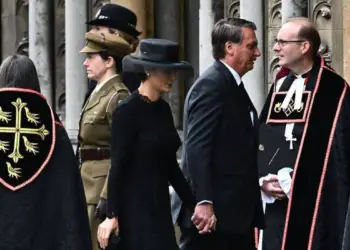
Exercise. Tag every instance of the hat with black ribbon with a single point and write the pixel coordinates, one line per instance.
(156, 54)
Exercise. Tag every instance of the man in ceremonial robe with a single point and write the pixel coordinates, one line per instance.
(304, 147)
(42, 202)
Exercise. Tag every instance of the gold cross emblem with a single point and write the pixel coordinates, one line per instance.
(290, 109)
(20, 132)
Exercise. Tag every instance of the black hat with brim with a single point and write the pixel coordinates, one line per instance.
(137, 64)
(116, 17)
(156, 54)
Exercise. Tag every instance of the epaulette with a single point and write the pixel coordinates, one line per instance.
(119, 88)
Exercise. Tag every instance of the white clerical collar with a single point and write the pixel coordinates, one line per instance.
(100, 85)
(299, 76)
(233, 72)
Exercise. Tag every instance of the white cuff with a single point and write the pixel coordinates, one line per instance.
(284, 180)
(204, 201)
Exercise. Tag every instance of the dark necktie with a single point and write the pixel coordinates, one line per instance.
(243, 94)
(244, 97)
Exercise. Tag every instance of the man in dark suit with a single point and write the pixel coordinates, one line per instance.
(220, 147)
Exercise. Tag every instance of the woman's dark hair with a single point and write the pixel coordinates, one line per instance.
(117, 60)
(19, 71)
(142, 76)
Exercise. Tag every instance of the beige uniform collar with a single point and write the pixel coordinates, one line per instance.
(100, 85)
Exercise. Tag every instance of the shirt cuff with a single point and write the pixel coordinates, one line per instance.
(285, 180)
(204, 201)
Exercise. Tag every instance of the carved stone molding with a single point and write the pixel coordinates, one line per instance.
(20, 4)
(325, 52)
(275, 17)
(274, 68)
(61, 4)
(301, 3)
(61, 107)
(61, 48)
(322, 9)
(232, 9)
(23, 46)
(97, 4)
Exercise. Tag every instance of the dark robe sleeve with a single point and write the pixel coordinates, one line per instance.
(72, 224)
(50, 212)
(122, 140)
(340, 161)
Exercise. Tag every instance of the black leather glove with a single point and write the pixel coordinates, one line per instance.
(101, 209)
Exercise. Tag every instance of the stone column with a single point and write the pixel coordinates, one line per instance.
(206, 23)
(76, 80)
(254, 80)
(293, 8)
(168, 26)
(144, 12)
(40, 16)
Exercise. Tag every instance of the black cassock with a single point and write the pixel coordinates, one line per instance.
(314, 215)
(44, 207)
(144, 145)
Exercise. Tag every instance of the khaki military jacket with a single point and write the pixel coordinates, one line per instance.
(95, 132)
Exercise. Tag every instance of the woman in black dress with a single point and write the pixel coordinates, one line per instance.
(144, 145)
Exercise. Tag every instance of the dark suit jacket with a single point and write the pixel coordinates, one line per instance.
(220, 149)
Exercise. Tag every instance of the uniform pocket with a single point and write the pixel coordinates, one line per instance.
(101, 169)
(94, 119)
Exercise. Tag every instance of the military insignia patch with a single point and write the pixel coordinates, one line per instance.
(288, 115)
(27, 136)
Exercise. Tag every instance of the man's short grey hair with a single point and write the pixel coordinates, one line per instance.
(228, 29)
(18, 71)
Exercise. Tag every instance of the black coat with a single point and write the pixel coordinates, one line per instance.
(49, 213)
(219, 154)
(144, 145)
(315, 213)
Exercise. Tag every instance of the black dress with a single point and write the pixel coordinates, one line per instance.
(144, 145)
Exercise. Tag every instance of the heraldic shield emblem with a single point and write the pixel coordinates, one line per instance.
(27, 136)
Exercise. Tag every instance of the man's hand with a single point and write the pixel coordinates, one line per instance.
(273, 188)
(204, 218)
(101, 210)
(105, 229)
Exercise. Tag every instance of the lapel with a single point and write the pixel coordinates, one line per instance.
(230, 80)
(96, 98)
(233, 86)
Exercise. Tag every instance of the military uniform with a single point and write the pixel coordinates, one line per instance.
(95, 126)
(94, 138)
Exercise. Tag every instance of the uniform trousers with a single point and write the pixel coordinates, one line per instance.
(94, 223)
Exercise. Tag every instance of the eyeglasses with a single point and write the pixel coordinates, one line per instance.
(282, 43)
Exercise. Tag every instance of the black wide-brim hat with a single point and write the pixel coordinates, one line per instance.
(116, 17)
(156, 54)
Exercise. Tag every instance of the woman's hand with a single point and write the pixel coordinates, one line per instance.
(105, 229)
